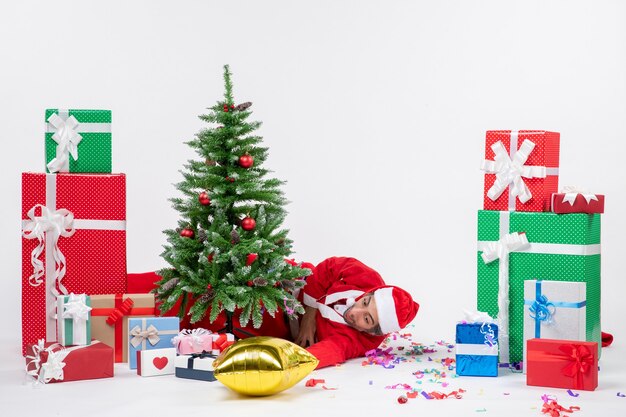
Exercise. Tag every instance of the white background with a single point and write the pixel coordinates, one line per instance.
(374, 112)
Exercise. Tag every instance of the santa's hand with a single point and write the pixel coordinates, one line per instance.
(306, 335)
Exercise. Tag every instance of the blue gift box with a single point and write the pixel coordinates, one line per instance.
(150, 333)
(477, 349)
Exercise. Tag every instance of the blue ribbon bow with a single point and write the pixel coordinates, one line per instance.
(543, 310)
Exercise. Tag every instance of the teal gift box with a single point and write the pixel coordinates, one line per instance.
(150, 333)
(517, 246)
(78, 141)
(74, 319)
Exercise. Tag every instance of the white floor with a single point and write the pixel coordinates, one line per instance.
(358, 389)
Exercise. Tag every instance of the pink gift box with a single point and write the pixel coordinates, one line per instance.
(193, 341)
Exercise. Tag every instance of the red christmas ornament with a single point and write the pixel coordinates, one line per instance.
(227, 107)
(277, 284)
(246, 161)
(251, 258)
(209, 287)
(248, 223)
(210, 257)
(230, 179)
(402, 399)
(204, 199)
(250, 283)
(186, 232)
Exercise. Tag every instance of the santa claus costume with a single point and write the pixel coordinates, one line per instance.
(335, 285)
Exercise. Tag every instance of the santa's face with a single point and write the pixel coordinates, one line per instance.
(362, 315)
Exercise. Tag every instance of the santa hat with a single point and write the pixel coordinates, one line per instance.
(396, 308)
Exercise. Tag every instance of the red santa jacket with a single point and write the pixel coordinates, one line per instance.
(334, 280)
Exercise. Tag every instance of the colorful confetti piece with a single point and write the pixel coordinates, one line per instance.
(572, 393)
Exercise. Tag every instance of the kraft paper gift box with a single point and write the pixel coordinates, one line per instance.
(51, 362)
(193, 341)
(156, 362)
(150, 333)
(577, 201)
(563, 364)
(521, 169)
(109, 318)
(195, 366)
(73, 240)
(74, 319)
(517, 246)
(78, 140)
(554, 310)
(477, 349)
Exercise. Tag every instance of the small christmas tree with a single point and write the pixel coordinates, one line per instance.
(229, 250)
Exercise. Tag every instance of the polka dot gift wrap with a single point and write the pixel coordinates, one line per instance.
(561, 247)
(532, 153)
(87, 256)
(78, 140)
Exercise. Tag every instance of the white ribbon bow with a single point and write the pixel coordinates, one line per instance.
(49, 370)
(571, 192)
(501, 248)
(76, 308)
(67, 139)
(477, 317)
(52, 225)
(510, 171)
(151, 334)
(193, 337)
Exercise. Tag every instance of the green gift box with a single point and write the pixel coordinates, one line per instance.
(78, 141)
(517, 246)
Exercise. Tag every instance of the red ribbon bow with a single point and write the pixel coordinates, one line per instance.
(120, 312)
(580, 361)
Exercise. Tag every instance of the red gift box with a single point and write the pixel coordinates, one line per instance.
(521, 169)
(577, 202)
(51, 362)
(74, 240)
(564, 364)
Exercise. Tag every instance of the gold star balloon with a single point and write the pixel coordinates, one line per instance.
(263, 365)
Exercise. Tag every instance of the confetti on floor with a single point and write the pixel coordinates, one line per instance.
(572, 393)
(554, 409)
(313, 382)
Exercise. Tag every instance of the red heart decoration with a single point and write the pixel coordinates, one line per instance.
(160, 363)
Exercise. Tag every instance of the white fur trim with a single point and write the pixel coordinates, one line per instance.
(336, 296)
(309, 301)
(386, 307)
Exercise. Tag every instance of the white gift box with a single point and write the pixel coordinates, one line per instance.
(554, 310)
(156, 362)
(195, 366)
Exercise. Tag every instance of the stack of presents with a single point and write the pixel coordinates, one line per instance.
(77, 317)
(538, 267)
